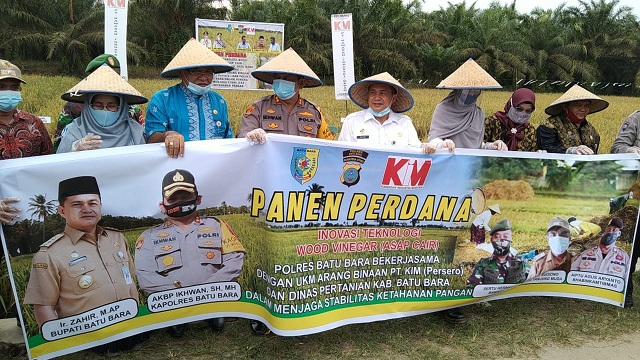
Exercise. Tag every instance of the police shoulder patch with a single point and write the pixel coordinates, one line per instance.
(52, 240)
(249, 110)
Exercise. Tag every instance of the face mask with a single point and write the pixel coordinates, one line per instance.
(9, 100)
(381, 113)
(197, 89)
(501, 248)
(104, 117)
(518, 117)
(181, 209)
(466, 99)
(284, 89)
(609, 239)
(558, 244)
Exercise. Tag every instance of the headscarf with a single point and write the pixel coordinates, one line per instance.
(518, 97)
(464, 124)
(125, 131)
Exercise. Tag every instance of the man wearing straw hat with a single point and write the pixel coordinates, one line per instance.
(567, 130)
(104, 121)
(189, 110)
(284, 112)
(458, 117)
(381, 122)
(480, 224)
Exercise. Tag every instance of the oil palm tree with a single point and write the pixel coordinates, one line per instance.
(40, 207)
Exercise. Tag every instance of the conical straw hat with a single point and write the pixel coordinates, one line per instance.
(289, 62)
(495, 208)
(359, 92)
(104, 81)
(469, 76)
(195, 55)
(576, 93)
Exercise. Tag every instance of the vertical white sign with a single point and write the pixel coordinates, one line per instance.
(342, 40)
(115, 32)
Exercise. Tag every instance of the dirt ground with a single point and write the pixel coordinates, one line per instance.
(626, 347)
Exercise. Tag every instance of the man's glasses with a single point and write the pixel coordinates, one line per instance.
(199, 73)
(100, 106)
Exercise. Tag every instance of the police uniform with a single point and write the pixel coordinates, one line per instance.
(270, 114)
(75, 273)
(168, 257)
(628, 135)
(547, 262)
(615, 262)
(491, 270)
(557, 133)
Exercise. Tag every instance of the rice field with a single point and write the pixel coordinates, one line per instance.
(41, 97)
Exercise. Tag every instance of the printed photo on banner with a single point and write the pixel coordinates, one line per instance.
(307, 235)
(245, 45)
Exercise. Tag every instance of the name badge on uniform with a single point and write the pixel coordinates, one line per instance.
(127, 275)
(362, 137)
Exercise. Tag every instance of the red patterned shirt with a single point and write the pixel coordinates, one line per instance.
(24, 136)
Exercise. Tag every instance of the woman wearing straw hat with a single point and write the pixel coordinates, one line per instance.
(284, 112)
(458, 117)
(189, 110)
(381, 122)
(512, 125)
(104, 121)
(567, 130)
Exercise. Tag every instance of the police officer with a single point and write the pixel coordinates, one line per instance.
(285, 112)
(83, 268)
(501, 267)
(605, 257)
(558, 258)
(186, 249)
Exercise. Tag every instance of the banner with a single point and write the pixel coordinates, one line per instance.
(245, 45)
(115, 32)
(307, 235)
(342, 41)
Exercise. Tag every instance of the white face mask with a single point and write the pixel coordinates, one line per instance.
(558, 244)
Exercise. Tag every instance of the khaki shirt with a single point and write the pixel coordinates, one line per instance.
(270, 114)
(168, 257)
(628, 135)
(543, 263)
(75, 273)
(615, 262)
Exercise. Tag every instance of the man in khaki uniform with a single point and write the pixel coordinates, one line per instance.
(558, 258)
(83, 268)
(285, 112)
(187, 249)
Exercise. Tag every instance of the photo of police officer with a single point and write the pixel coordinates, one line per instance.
(187, 249)
(605, 257)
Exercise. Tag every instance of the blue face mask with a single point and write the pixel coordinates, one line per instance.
(104, 117)
(197, 89)
(284, 89)
(381, 113)
(9, 100)
(466, 99)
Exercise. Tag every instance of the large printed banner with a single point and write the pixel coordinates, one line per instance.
(115, 32)
(307, 235)
(245, 45)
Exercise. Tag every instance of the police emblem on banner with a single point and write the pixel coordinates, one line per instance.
(353, 160)
(304, 164)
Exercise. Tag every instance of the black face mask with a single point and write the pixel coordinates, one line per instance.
(501, 248)
(181, 209)
(609, 239)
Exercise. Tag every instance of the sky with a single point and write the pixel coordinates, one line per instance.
(523, 6)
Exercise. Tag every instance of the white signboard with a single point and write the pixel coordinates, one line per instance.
(115, 32)
(342, 39)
